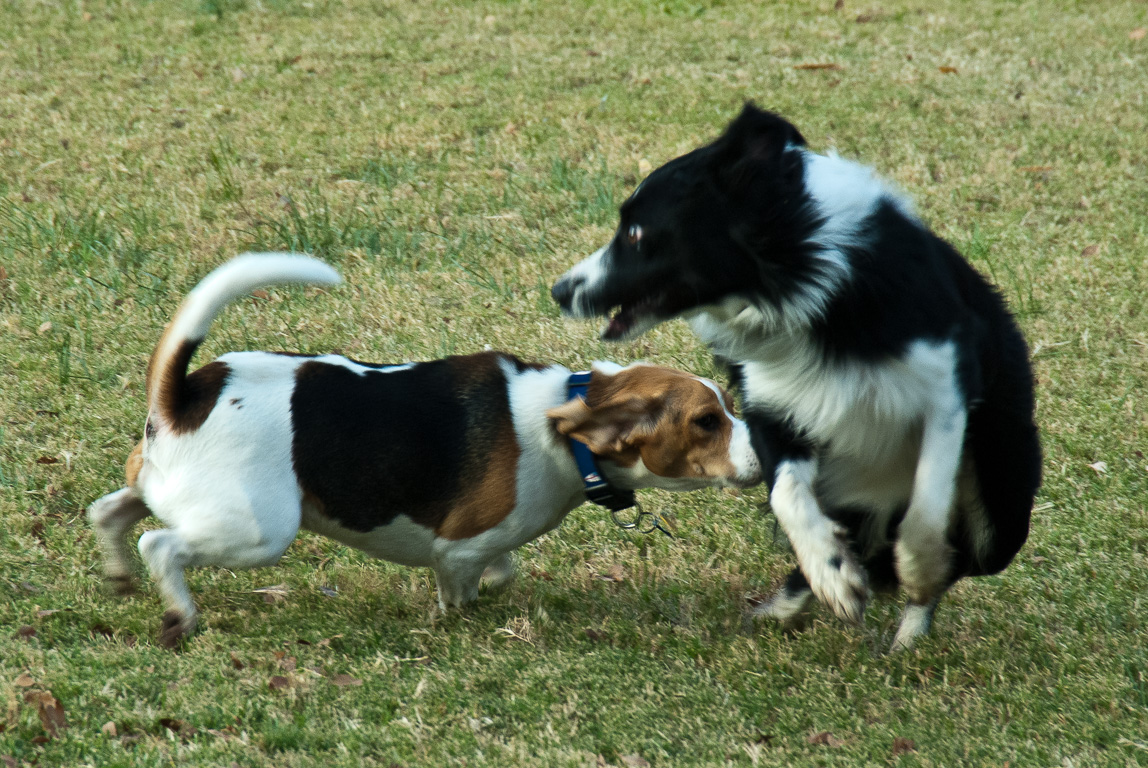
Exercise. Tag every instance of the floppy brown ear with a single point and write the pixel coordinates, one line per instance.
(608, 429)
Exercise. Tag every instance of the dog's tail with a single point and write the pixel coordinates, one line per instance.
(168, 393)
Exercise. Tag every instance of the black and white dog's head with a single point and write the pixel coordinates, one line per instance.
(753, 219)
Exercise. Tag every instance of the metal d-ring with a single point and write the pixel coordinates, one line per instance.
(644, 522)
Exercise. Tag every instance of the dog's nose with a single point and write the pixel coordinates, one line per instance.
(563, 290)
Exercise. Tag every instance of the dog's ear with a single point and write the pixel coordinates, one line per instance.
(611, 428)
(754, 142)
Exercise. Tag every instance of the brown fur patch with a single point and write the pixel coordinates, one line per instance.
(183, 401)
(134, 464)
(489, 482)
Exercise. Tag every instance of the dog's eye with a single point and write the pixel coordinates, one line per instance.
(709, 422)
(633, 234)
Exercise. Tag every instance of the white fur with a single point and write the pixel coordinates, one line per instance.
(741, 451)
(915, 622)
(588, 275)
(833, 573)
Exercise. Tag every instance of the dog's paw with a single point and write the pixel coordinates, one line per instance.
(789, 610)
(838, 580)
(174, 628)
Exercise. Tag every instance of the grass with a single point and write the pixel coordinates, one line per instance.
(452, 160)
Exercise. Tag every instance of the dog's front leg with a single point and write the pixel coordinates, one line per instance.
(822, 549)
(833, 573)
(922, 552)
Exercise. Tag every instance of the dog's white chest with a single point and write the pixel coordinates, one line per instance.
(866, 410)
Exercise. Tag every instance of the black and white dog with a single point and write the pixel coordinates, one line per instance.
(887, 387)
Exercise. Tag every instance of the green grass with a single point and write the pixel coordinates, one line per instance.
(452, 160)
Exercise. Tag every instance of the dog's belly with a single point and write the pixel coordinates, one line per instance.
(400, 541)
(846, 480)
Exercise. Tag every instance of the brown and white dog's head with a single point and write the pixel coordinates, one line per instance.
(660, 428)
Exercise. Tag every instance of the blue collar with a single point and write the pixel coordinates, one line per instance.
(594, 482)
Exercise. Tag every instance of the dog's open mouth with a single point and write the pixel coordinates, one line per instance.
(630, 320)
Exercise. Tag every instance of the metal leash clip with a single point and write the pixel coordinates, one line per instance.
(645, 522)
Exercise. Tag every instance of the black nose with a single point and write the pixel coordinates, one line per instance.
(563, 290)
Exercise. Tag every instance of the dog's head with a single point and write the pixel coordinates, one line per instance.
(731, 219)
(660, 428)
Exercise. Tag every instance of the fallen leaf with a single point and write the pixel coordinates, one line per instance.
(28, 586)
(278, 682)
(595, 636)
(614, 573)
(326, 641)
(50, 709)
(825, 738)
(840, 4)
(9, 761)
(902, 745)
(237, 75)
(47, 460)
(26, 632)
(1099, 467)
(45, 327)
(235, 662)
(1034, 168)
(24, 681)
(261, 294)
(947, 69)
(342, 680)
(42, 614)
(1090, 250)
(329, 591)
(3, 273)
(1138, 33)
(823, 65)
(109, 729)
(644, 167)
(510, 128)
(635, 761)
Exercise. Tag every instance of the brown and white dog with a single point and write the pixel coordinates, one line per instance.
(450, 464)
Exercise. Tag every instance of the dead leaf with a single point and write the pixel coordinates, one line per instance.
(45, 327)
(595, 636)
(344, 680)
(26, 632)
(510, 128)
(329, 591)
(261, 294)
(47, 460)
(823, 65)
(3, 273)
(326, 641)
(235, 662)
(24, 681)
(902, 745)
(614, 573)
(109, 729)
(946, 69)
(237, 75)
(839, 5)
(1034, 168)
(635, 761)
(825, 738)
(42, 614)
(1090, 250)
(644, 167)
(1099, 467)
(1138, 33)
(50, 710)
(278, 682)
(9, 761)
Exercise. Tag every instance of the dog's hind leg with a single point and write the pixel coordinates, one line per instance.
(229, 536)
(499, 571)
(112, 516)
(916, 620)
(790, 603)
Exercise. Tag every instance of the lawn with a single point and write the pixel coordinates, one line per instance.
(452, 160)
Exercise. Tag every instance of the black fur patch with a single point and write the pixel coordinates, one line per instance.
(371, 446)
